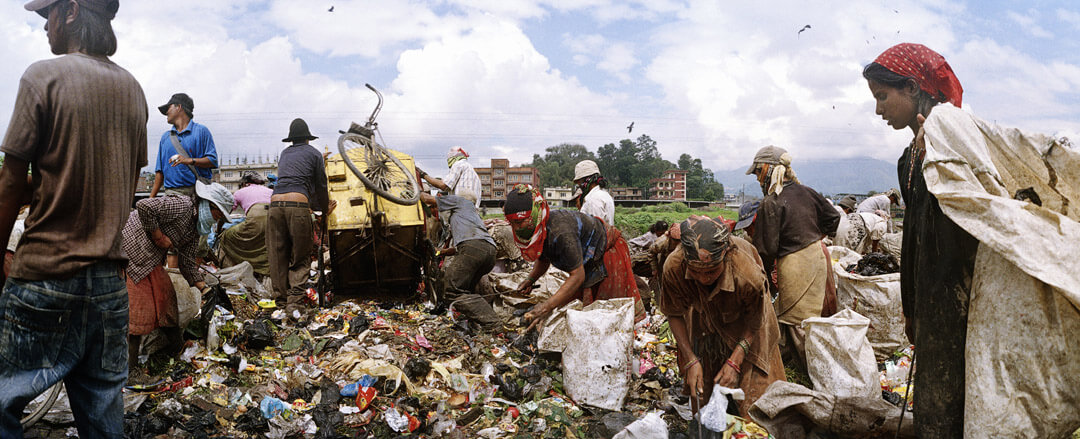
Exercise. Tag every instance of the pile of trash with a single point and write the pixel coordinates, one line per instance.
(365, 368)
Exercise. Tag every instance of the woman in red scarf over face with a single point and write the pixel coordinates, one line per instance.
(908, 81)
(595, 254)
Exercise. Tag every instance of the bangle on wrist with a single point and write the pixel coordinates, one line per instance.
(691, 364)
(734, 366)
(745, 345)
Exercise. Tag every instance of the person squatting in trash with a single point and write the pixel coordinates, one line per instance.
(716, 298)
(462, 179)
(301, 187)
(907, 81)
(80, 120)
(473, 251)
(596, 200)
(594, 254)
(247, 241)
(789, 227)
(157, 225)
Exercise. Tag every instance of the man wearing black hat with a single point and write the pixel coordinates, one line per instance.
(185, 152)
(80, 120)
(301, 188)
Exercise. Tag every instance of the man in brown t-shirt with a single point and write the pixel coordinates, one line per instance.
(80, 123)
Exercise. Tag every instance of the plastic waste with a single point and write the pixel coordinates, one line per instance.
(396, 420)
(649, 427)
(272, 407)
(714, 415)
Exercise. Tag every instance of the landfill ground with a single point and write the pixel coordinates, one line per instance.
(420, 374)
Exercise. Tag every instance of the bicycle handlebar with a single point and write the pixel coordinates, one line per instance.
(378, 107)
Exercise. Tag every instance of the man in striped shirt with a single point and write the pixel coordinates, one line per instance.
(462, 180)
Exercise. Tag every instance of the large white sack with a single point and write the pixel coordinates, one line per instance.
(596, 361)
(839, 358)
(1022, 363)
(876, 297)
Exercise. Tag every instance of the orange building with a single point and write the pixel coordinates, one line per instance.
(494, 181)
(670, 186)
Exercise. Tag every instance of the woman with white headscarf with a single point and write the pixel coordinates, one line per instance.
(790, 224)
(155, 226)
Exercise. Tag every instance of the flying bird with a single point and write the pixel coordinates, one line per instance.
(331, 9)
(803, 29)
(630, 128)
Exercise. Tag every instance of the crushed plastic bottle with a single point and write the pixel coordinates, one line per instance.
(395, 420)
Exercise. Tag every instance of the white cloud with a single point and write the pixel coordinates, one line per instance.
(1069, 17)
(1029, 22)
(613, 57)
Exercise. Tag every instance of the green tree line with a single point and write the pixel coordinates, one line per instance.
(629, 163)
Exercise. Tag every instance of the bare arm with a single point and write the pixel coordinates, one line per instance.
(159, 179)
(13, 180)
(564, 295)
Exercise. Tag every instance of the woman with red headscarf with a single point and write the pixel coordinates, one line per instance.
(907, 82)
(989, 283)
(595, 254)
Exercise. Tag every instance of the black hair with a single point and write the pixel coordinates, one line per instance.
(659, 227)
(880, 74)
(92, 31)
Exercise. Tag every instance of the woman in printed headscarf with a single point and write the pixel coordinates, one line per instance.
(788, 231)
(596, 200)
(907, 82)
(155, 226)
(716, 298)
(595, 254)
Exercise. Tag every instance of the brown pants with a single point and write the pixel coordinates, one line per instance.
(289, 240)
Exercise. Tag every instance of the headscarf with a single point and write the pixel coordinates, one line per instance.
(524, 201)
(928, 68)
(589, 181)
(704, 241)
(204, 224)
(455, 155)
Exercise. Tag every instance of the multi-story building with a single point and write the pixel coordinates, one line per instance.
(670, 186)
(500, 176)
(625, 193)
(229, 174)
(558, 196)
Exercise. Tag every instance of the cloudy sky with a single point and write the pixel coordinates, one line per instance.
(507, 78)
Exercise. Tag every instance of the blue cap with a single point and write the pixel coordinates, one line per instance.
(747, 213)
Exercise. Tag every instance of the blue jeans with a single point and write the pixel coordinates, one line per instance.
(73, 330)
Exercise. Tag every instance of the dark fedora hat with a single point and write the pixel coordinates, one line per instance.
(298, 132)
(181, 99)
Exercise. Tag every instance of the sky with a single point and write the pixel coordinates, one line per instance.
(509, 78)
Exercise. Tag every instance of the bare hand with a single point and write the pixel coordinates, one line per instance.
(920, 137)
(727, 377)
(695, 380)
(160, 239)
(330, 207)
(538, 314)
(525, 287)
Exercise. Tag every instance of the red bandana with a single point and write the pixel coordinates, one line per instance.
(928, 68)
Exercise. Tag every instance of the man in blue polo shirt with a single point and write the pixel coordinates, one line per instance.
(175, 171)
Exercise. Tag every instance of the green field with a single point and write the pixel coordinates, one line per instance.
(636, 221)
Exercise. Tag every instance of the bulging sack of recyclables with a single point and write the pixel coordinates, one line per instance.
(838, 355)
(597, 357)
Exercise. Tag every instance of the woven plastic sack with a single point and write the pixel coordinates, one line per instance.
(597, 357)
(839, 358)
(877, 298)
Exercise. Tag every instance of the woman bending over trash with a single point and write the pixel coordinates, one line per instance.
(716, 298)
(594, 254)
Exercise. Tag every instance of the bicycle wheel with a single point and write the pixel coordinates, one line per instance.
(40, 406)
(379, 169)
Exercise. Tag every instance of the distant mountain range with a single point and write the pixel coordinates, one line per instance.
(855, 176)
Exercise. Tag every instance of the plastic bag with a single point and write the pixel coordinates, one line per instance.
(839, 359)
(714, 415)
(597, 358)
(649, 427)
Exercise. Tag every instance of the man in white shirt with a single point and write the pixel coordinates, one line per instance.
(462, 179)
(598, 202)
(882, 202)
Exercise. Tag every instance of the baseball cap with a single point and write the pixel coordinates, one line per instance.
(747, 213)
(181, 99)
